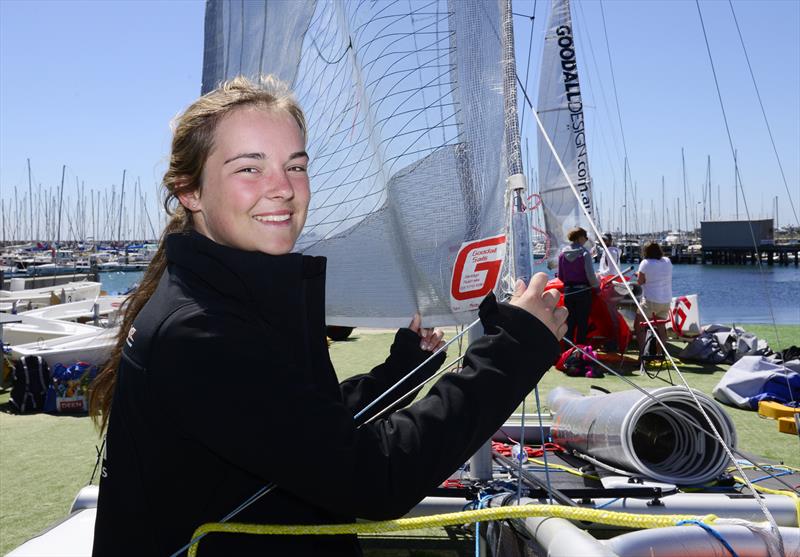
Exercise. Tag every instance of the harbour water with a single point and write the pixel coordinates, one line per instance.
(727, 294)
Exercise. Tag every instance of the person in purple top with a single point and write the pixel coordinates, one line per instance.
(576, 272)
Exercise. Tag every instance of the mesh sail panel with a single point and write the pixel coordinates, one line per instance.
(406, 119)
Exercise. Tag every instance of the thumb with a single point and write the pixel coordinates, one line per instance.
(416, 321)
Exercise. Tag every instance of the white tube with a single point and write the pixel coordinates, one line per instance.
(560, 538)
(684, 541)
(743, 507)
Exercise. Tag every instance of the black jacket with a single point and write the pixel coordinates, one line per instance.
(226, 384)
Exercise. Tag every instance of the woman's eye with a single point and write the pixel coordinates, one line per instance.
(248, 170)
(297, 168)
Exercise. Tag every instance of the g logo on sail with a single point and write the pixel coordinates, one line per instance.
(475, 272)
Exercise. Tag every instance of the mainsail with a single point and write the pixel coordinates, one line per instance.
(406, 110)
(560, 109)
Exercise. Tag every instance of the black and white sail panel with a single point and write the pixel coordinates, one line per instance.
(406, 114)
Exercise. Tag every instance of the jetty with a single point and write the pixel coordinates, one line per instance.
(735, 242)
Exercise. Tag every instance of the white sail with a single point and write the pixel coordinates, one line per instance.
(407, 114)
(560, 108)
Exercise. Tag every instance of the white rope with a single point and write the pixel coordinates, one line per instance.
(702, 411)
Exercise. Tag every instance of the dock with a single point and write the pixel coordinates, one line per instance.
(43, 281)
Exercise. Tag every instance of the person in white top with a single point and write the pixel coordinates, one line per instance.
(609, 254)
(655, 277)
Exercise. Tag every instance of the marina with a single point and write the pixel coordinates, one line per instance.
(439, 179)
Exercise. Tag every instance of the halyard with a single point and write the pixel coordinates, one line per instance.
(45, 460)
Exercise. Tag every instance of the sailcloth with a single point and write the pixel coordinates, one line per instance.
(407, 120)
(560, 108)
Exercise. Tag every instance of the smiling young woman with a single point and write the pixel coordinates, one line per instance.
(221, 356)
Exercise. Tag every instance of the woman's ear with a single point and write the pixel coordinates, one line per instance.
(190, 199)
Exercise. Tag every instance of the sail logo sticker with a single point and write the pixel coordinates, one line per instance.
(475, 272)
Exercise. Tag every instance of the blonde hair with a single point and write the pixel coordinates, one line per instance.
(192, 143)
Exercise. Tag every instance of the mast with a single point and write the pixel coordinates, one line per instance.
(39, 213)
(663, 206)
(709, 189)
(736, 179)
(121, 201)
(685, 206)
(30, 199)
(625, 198)
(16, 215)
(481, 461)
(60, 200)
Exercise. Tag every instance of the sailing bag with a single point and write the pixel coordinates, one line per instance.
(69, 389)
(748, 344)
(578, 363)
(753, 379)
(29, 385)
(715, 345)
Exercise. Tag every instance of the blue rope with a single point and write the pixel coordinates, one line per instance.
(479, 506)
(522, 453)
(607, 503)
(711, 531)
(784, 473)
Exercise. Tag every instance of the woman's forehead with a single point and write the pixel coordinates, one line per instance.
(249, 127)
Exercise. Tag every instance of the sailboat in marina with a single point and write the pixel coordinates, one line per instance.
(419, 190)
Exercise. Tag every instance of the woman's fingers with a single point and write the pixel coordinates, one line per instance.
(543, 305)
(551, 298)
(538, 282)
(416, 321)
(432, 339)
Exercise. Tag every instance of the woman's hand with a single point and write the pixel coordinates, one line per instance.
(541, 304)
(430, 339)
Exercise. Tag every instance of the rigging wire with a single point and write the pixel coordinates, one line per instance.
(613, 81)
(764, 113)
(602, 129)
(647, 320)
(744, 199)
(619, 117)
(528, 68)
(271, 486)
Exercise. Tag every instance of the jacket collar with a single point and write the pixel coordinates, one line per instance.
(277, 284)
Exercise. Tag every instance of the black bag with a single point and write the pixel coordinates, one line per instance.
(29, 387)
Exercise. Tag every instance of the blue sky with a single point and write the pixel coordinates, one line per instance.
(93, 85)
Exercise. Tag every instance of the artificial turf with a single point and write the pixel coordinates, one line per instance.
(45, 459)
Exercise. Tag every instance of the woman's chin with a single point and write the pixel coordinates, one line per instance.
(275, 246)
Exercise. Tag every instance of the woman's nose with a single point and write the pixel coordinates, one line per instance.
(278, 185)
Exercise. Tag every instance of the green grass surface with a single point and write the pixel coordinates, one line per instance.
(45, 460)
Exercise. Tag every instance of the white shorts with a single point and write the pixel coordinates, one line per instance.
(661, 311)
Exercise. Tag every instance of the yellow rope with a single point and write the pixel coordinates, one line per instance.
(780, 467)
(600, 516)
(568, 469)
(793, 495)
